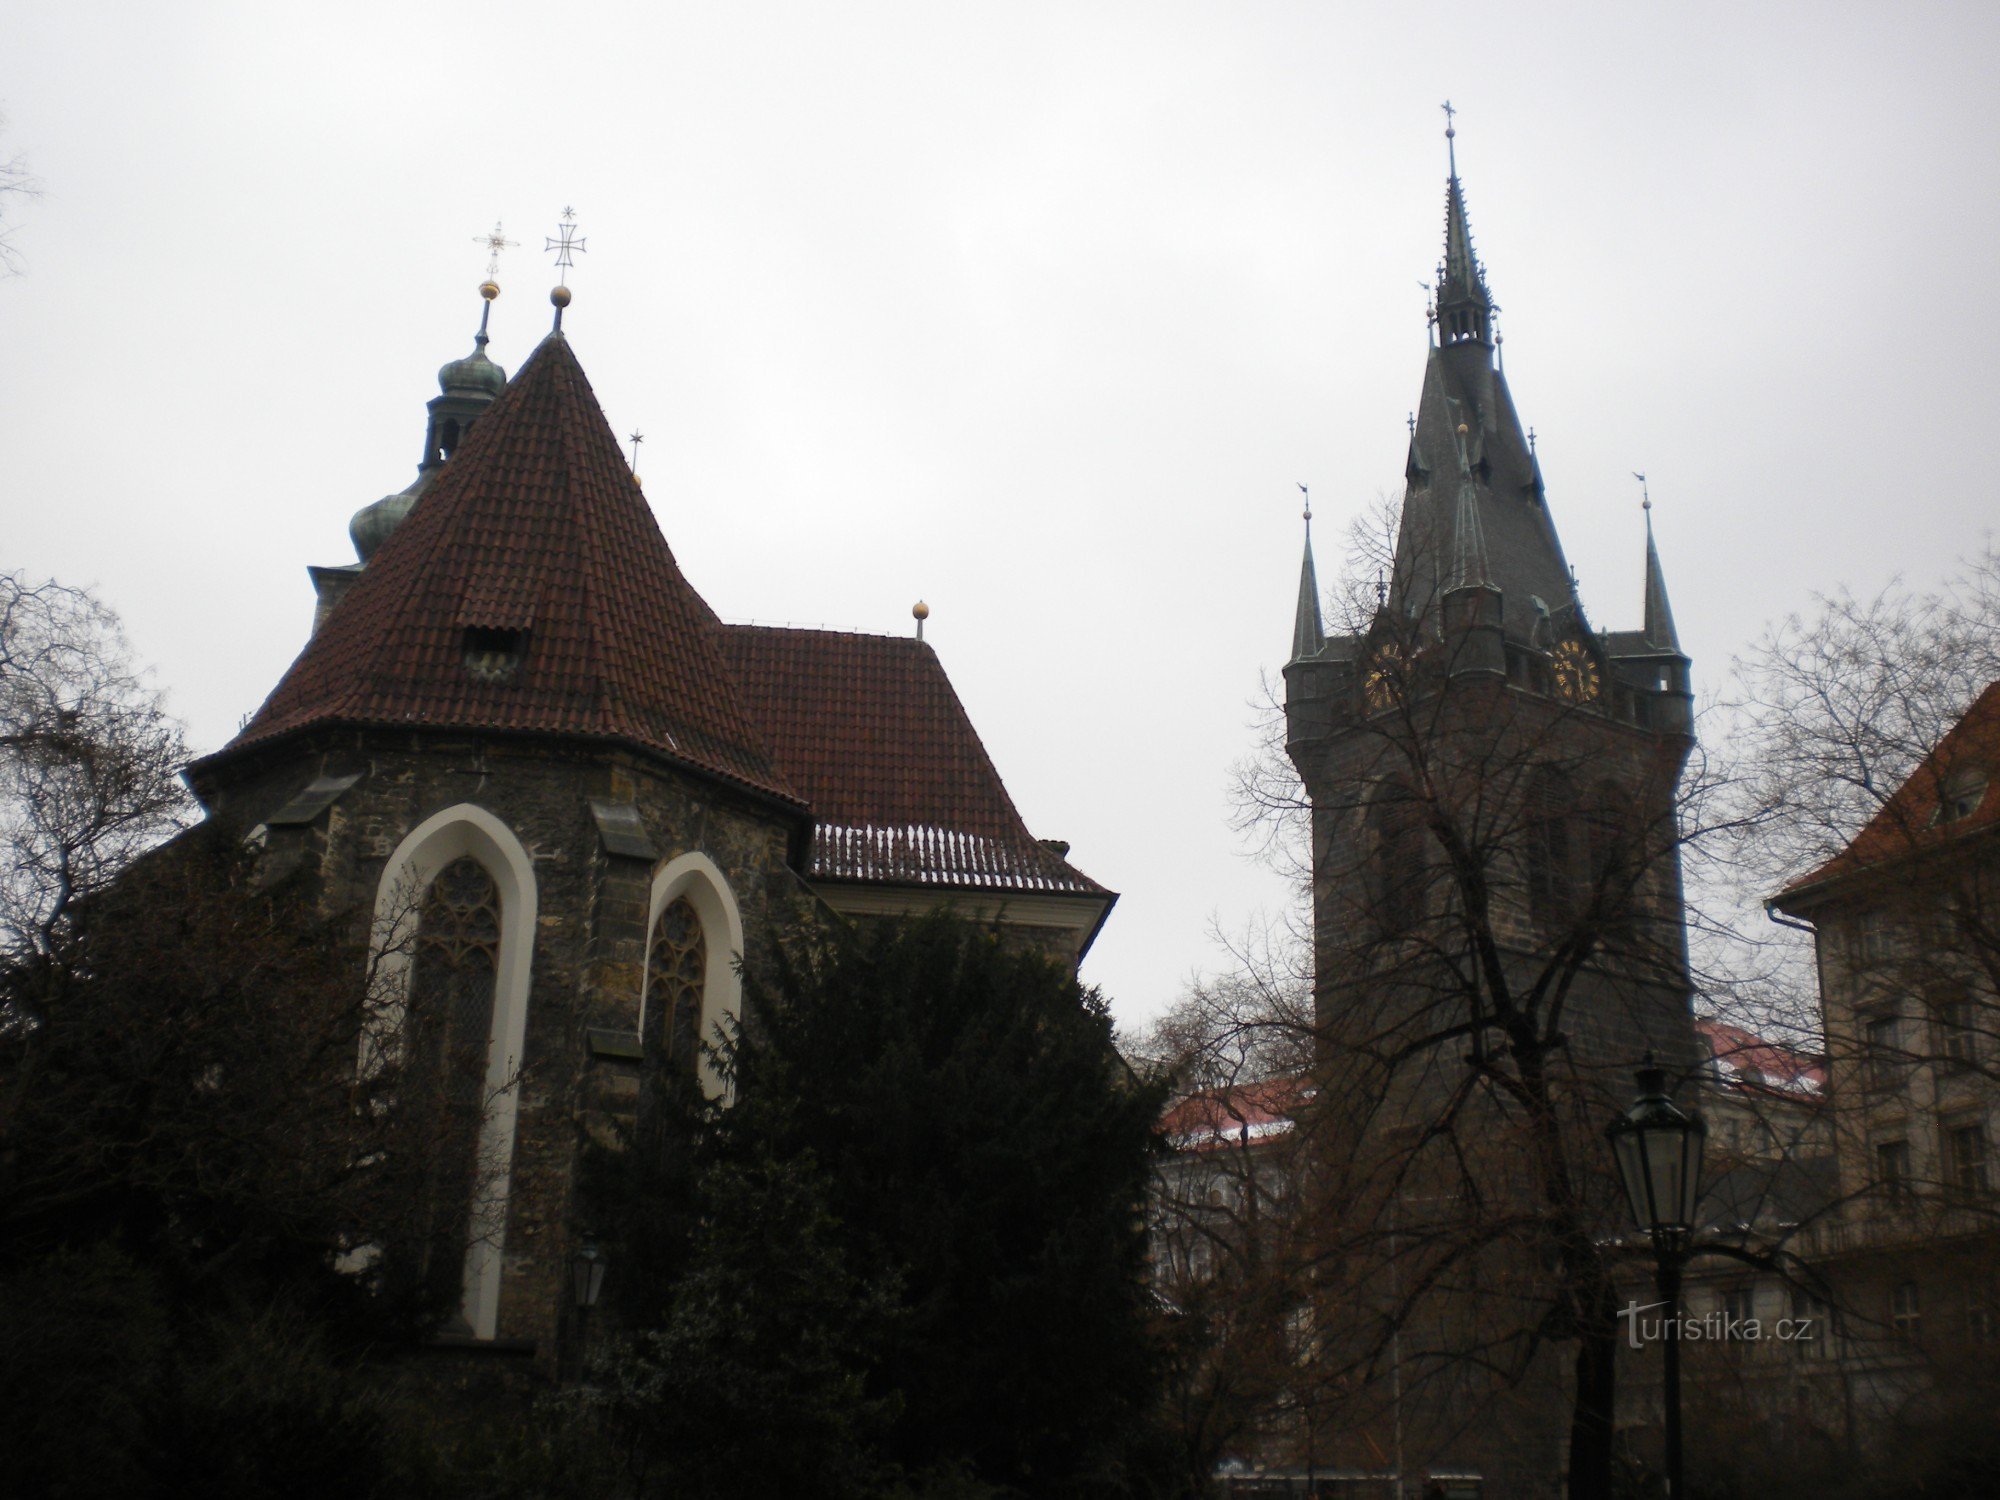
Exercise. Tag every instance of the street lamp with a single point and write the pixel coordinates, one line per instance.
(586, 1285)
(1658, 1150)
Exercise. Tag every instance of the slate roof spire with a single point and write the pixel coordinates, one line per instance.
(1464, 307)
(1659, 614)
(1308, 633)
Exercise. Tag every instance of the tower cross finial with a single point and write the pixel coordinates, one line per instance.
(566, 245)
(1450, 136)
(495, 242)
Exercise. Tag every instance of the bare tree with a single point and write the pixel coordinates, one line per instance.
(89, 764)
(18, 185)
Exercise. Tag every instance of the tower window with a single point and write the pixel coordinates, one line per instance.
(676, 975)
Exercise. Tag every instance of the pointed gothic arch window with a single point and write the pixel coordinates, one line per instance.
(676, 980)
(453, 969)
(1551, 852)
(1398, 867)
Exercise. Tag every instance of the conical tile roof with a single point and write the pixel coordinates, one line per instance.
(529, 591)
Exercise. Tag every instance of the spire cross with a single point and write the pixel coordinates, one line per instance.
(564, 243)
(1450, 136)
(495, 242)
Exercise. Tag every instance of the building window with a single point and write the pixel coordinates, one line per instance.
(1551, 853)
(1965, 1159)
(676, 976)
(1739, 1306)
(1812, 1325)
(1886, 1058)
(1905, 1310)
(1892, 1170)
(1399, 873)
(1961, 794)
(451, 1026)
(1980, 1322)
(1958, 1028)
(1867, 939)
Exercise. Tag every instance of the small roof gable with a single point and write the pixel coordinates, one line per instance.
(530, 590)
(869, 730)
(1908, 823)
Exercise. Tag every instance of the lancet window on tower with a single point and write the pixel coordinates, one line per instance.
(676, 977)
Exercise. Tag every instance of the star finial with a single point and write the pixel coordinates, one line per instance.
(495, 241)
(635, 440)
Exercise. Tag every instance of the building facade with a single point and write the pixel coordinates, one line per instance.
(570, 806)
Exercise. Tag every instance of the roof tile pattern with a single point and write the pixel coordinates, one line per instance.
(1908, 823)
(869, 730)
(537, 527)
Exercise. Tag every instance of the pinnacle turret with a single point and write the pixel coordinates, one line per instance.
(1659, 614)
(1464, 307)
(1308, 633)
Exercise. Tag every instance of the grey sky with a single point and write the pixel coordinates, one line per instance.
(1034, 311)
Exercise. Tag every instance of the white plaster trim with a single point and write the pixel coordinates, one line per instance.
(697, 877)
(426, 849)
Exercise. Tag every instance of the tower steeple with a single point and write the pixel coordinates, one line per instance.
(1464, 307)
(1308, 633)
(1659, 628)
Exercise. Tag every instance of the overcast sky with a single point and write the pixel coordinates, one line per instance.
(1037, 312)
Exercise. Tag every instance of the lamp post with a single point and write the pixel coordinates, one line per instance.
(586, 1284)
(1658, 1150)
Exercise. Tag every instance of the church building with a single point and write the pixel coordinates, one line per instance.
(575, 801)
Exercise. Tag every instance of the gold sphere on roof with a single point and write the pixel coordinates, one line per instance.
(920, 610)
(489, 289)
(1463, 429)
(560, 296)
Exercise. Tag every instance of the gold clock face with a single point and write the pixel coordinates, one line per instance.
(1575, 672)
(1388, 670)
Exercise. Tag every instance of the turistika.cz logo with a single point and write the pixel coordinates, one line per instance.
(1716, 1327)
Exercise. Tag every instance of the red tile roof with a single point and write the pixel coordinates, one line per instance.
(1238, 1115)
(1746, 1060)
(1908, 822)
(535, 526)
(869, 730)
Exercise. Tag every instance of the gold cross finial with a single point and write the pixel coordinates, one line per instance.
(565, 244)
(495, 242)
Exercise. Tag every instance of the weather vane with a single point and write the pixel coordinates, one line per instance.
(1309, 499)
(565, 243)
(1645, 495)
(495, 242)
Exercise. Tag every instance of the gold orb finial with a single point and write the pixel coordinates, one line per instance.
(1463, 429)
(920, 611)
(489, 289)
(559, 296)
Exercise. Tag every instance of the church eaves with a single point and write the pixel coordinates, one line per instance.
(530, 591)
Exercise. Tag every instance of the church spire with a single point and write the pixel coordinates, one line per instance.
(1308, 634)
(1469, 569)
(1659, 614)
(1464, 306)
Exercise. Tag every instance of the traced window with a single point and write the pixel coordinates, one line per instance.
(1892, 1170)
(451, 1026)
(1965, 1159)
(1905, 1310)
(676, 977)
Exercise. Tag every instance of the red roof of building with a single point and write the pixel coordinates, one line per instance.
(1908, 822)
(1747, 1060)
(1238, 1115)
(536, 526)
(869, 730)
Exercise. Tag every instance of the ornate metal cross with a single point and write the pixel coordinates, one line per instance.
(565, 244)
(495, 242)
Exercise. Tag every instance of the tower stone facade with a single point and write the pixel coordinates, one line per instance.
(1498, 932)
